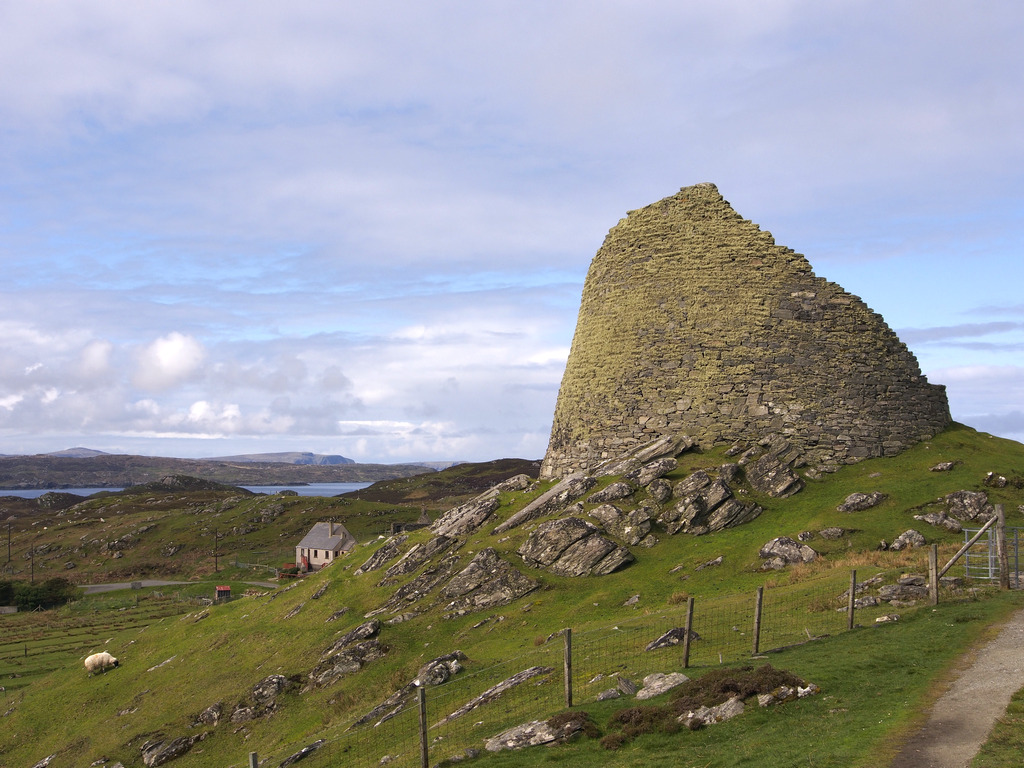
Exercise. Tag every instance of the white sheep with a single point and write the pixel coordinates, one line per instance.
(100, 662)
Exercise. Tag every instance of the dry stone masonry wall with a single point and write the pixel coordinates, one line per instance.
(694, 322)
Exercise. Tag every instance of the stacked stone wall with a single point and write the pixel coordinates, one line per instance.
(693, 321)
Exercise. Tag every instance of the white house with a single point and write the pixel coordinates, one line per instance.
(323, 543)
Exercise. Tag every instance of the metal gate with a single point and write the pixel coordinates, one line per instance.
(981, 561)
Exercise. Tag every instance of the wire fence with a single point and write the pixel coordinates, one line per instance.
(444, 721)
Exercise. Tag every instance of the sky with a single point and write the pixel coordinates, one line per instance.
(363, 228)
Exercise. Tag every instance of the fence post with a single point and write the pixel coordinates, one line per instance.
(254, 760)
(1004, 560)
(851, 604)
(758, 605)
(567, 635)
(686, 632)
(933, 574)
(421, 696)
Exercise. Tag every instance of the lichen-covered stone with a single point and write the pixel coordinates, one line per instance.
(695, 322)
(573, 547)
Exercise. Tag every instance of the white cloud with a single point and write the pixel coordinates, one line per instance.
(168, 361)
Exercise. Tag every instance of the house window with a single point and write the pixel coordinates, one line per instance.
(316, 553)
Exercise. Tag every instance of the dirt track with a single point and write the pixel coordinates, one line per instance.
(963, 716)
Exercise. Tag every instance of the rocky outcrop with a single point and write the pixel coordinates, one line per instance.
(389, 551)
(533, 734)
(857, 502)
(553, 500)
(570, 546)
(434, 672)
(487, 582)
(262, 699)
(613, 492)
(648, 473)
(631, 527)
(671, 638)
(497, 691)
(418, 555)
(969, 505)
(348, 655)
(695, 322)
(465, 519)
(908, 539)
(158, 752)
(658, 683)
(705, 506)
(783, 551)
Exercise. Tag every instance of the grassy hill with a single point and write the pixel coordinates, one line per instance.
(176, 665)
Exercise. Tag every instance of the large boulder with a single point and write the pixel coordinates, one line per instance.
(651, 471)
(557, 498)
(969, 505)
(487, 582)
(466, 518)
(418, 555)
(857, 502)
(632, 527)
(387, 552)
(783, 551)
(573, 547)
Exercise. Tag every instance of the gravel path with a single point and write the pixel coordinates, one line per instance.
(962, 717)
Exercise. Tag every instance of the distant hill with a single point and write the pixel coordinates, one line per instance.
(76, 453)
(112, 471)
(287, 457)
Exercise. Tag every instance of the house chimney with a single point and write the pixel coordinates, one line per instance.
(331, 524)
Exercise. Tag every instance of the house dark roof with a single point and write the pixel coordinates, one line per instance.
(333, 536)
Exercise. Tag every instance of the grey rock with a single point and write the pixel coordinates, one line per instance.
(941, 520)
(211, 715)
(969, 505)
(389, 551)
(710, 563)
(302, 754)
(465, 518)
(944, 466)
(788, 551)
(658, 683)
(696, 481)
(903, 592)
(613, 492)
(856, 502)
(710, 715)
(346, 662)
(772, 475)
(487, 582)
(610, 693)
(560, 496)
(832, 533)
(532, 734)
(161, 752)
(418, 555)
(646, 474)
(660, 490)
(497, 691)
(907, 539)
(364, 631)
(268, 689)
(673, 637)
(630, 527)
(573, 547)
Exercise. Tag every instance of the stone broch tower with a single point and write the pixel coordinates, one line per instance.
(694, 322)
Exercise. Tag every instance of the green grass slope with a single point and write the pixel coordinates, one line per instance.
(178, 665)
